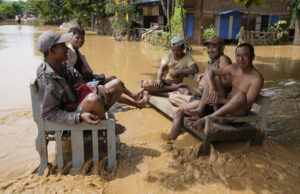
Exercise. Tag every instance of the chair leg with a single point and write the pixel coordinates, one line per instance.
(258, 140)
(111, 144)
(205, 148)
(41, 147)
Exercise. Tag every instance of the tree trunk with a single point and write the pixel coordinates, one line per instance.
(248, 19)
(297, 28)
(201, 22)
(93, 22)
(182, 20)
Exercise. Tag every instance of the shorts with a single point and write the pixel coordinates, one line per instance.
(197, 96)
(100, 78)
(210, 109)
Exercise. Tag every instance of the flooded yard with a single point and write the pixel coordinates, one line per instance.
(146, 161)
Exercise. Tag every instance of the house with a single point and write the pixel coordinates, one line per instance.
(215, 13)
(152, 13)
(224, 15)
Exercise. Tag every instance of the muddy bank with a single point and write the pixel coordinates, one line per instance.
(148, 163)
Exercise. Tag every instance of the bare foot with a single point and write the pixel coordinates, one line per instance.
(198, 124)
(193, 113)
(142, 103)
(120, 129)
(136, 96)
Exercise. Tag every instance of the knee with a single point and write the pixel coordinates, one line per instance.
(110, 78)
(144, 83)
(178, 112)
(91, 99)
(172, 98)
(119, 85)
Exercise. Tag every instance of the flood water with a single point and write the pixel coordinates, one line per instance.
(135, 61)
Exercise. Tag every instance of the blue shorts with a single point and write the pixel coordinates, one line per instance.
(78, 109)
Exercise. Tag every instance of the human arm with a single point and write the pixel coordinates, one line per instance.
(178, 73)
(212, 76)
(254, 91)
(161, 71)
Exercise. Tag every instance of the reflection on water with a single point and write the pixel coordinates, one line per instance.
(132, 62)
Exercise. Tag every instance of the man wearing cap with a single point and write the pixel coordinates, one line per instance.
(63, 95)
(174, 66)
(190, 105)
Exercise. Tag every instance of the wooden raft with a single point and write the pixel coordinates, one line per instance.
(223, 128)
(52, 131)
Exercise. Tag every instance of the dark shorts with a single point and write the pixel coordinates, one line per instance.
(165, 83)
(197, 96)
(100, 78)
(210, 109)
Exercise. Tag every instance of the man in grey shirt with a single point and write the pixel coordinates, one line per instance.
(63, 95)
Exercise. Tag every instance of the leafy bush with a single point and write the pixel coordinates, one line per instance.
(176, 21)
(280, 32)
(208, 33)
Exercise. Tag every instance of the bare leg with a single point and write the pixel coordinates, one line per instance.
(149, 86)
(115, 88)
(109, 78)
(140, 104)
(179, 99)
(177, 123)
(135, 96)
(199, 110)
(92, 103)
(236, 106)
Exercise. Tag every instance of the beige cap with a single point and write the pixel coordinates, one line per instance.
(214, 40)
(50, 38)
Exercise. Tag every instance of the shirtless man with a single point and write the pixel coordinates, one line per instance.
(215, 50)
(246, 82)
(79, 62)
(174, 66)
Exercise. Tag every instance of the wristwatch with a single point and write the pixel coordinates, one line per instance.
(77, 117)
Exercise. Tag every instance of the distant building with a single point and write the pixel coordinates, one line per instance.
(225, 15)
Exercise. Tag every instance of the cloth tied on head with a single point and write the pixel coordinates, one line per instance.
(50, 38)
(177, 41)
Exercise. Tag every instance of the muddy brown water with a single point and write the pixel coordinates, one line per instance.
(145, 137)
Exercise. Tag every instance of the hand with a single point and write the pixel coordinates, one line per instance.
(89, 118)
(200, 76)
(158, 83)
(212, 96)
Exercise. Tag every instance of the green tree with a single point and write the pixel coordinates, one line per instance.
(295, 4)
(84, 10)
(248, 3)
(117, 16)
(51, 10)
(12, 8)
(177, 19)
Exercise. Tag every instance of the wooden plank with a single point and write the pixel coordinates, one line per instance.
(163, 104)
(51, 126)
(59, 153)
(77, 148)
(95, 146)
(111, 144)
